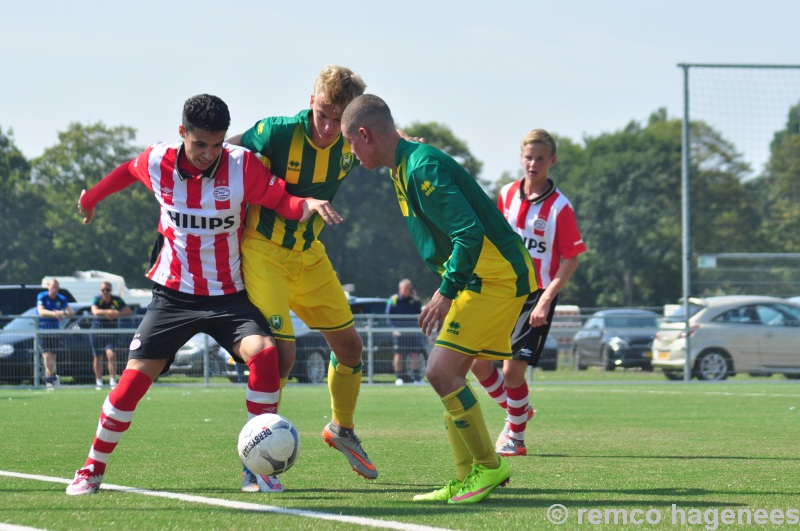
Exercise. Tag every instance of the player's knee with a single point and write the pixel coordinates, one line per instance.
(252, 345)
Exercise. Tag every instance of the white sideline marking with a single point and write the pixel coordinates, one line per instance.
(688, 391)
(12, 527)
(371, 522)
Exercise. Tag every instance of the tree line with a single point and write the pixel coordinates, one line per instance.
(625, 187)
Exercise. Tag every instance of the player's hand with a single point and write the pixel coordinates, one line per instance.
(538, 315)
(432, 316)
(88, 215)
(405, 136)
(321, 207)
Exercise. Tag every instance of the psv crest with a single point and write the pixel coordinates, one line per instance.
(346, 162)
(276, 322)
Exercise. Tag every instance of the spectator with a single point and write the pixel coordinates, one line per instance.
(52, 307)
(107, 309)
(406, 343)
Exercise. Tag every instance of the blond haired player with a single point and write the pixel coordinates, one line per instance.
(544, 218)
(285, 265)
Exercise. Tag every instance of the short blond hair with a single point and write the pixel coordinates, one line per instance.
(539, 136)
(338, 85)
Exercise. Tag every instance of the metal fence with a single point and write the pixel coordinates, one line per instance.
(202, 360)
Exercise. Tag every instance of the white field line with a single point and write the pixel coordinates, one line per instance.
(542, 389)
(367, 522)
(12, 527)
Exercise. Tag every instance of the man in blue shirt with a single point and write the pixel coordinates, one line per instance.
(52, 307)
(406, 343)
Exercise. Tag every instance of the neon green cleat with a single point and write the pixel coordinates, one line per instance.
(442, 495)
(481, 482)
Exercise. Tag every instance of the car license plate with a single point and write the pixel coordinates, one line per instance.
(663, 355)
(648, 354)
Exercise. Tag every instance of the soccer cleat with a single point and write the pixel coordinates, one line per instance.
(512, 447)
(442, 495)
(269, 484)
(501, 439)
(481, 482)
(257, 483)
(345, 440)
(249, 481)
(85, 482)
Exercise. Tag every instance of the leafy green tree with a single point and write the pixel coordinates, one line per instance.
(20, 216)
(120, 237)
(373, 249)
(780, 189)
(626, 190)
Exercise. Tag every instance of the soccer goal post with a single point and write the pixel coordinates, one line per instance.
(747, 104)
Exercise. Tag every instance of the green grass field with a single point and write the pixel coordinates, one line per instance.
(599, 442)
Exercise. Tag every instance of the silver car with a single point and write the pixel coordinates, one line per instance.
(729, 335)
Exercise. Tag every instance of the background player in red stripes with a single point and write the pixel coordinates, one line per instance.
(545, 220)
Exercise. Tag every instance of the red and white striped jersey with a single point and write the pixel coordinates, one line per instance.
(201, 216)
(547, 225)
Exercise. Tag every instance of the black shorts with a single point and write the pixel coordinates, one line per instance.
(409, 341)
(102, 341)
(173, 317)
(527, 342)
(51, 343)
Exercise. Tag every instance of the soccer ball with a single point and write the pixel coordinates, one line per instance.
(268, 444)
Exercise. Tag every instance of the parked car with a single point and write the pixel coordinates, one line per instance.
(616, 338)
(190, 358)
(731, 334)
(548, 361)
(17, 349)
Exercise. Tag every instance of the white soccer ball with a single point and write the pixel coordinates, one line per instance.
(268, 444)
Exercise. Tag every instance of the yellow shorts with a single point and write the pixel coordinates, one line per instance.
(480, 325)
(277, 279)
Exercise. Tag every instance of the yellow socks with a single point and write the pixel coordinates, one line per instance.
(461, 453)
(343, 384)
(280, 396)
(470, 425)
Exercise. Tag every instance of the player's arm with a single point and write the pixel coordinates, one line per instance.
(264, 188)
(236, 140)
(120, 178)
(256, 138)
(539, 313)
(449, 210)
(570, 245)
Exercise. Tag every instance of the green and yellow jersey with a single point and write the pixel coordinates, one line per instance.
(458, 230)
(285, 145)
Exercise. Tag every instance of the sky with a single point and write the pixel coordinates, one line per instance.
(490, 71)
